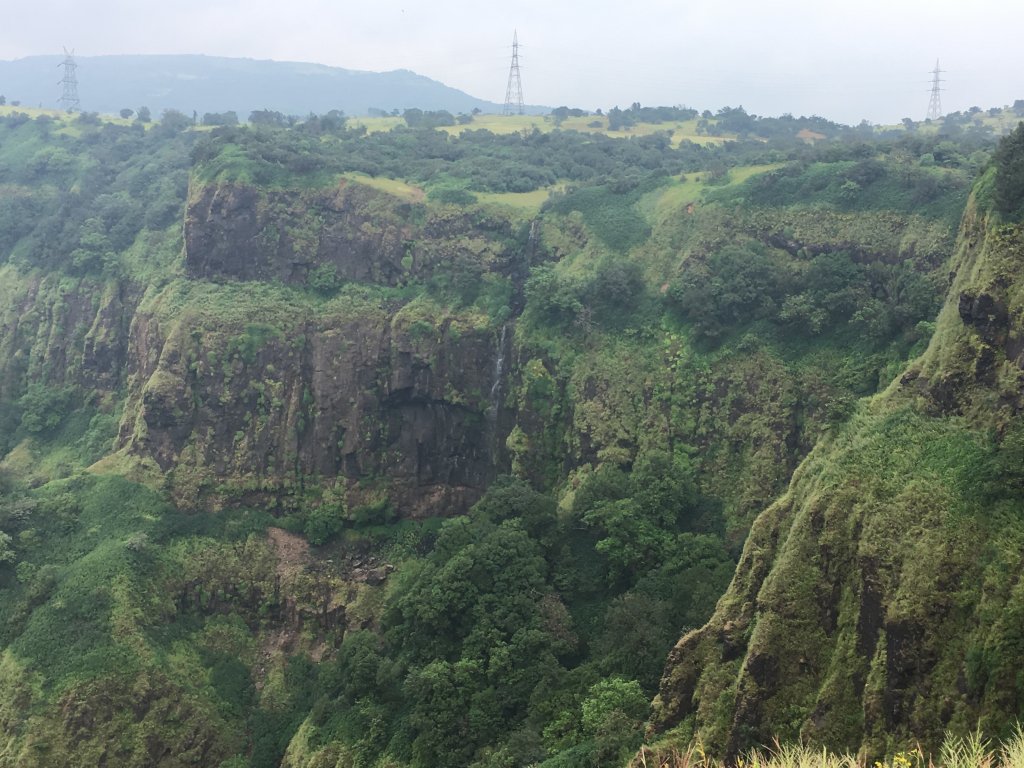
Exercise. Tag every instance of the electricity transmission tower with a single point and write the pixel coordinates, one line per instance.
(935, 104)
(514, 91)
(69, 98)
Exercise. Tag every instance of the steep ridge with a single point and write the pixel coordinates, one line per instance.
(877, 601)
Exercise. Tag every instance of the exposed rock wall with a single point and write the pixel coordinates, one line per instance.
(60, 330)
(235, 232)
(369, 392)
(237, 387)
(361, 397)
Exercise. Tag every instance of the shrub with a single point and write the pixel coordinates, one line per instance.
(43, 407)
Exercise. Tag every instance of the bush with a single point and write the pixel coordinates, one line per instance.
(738, 284)
(452, 196)
(324, 280)
(323, 523)
(43, 408)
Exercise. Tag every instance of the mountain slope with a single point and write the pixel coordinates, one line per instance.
(877, 602)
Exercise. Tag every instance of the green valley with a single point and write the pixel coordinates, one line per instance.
(554, 441)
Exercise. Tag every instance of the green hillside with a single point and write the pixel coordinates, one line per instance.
(323, 445)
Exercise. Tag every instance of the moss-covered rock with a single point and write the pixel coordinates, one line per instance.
(861, 613)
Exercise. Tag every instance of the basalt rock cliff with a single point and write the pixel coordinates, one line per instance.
(878, 600)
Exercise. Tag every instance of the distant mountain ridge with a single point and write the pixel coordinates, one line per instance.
(217, 84)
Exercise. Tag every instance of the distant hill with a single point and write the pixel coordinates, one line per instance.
(216, 84)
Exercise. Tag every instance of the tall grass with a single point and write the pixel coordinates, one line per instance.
(972, 751)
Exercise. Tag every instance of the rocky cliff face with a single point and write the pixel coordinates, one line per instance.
(264, 393)
(59, 330)
(242, 376)
(233, 381)
(235, 232)
(876, 600)
(364, 397)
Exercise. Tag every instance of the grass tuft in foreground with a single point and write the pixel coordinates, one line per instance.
(973, 751)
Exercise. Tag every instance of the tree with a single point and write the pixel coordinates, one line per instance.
(440, 695)
(172, 121)
(142, 114)
(268, 118)
(413, 117)
(334, 121)
(619, 119)
(3, 100)
(1009, 187)
(220, 118)
(736, 285)
(43, 408)
(418, 118)
(636, 634)
(126, 113)
(613, 715)
(7, 554)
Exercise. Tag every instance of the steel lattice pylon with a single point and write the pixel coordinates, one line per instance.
(935, 104)
(514, 91)
(69, 96)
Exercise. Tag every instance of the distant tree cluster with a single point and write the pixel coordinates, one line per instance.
(620, 119)
(741, 284)
(269, 118)
(481, 160)
(1009, 184)
(418, 118)
(220, 118)
(560, 114)
(119, 179)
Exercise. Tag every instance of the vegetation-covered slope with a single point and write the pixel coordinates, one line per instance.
(876, 601)
(302, 464)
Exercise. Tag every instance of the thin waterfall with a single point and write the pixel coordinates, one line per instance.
(499, 370)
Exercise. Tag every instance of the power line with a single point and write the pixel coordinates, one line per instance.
(935, 103)
(514, 90)
(69, 97)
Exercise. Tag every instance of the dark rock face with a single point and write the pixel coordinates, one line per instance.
(376, 398)
(242, 233)
(986, 314)
(235, 232)
(380, 397)
(361, 399)
(64, 332)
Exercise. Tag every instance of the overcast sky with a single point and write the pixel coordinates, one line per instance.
(852, 60)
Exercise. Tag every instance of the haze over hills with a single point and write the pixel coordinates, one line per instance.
(216, 84)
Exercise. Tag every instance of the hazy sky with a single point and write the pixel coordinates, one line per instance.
(846, 61)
